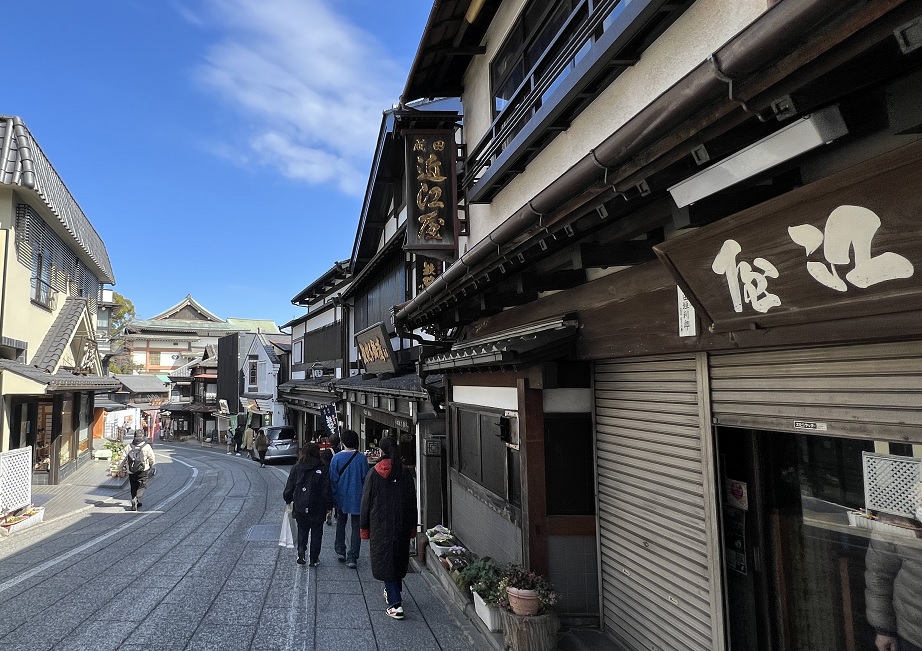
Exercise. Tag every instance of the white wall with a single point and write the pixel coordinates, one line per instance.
(703, 29)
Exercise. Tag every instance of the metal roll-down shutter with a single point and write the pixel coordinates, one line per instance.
(870, 391)
(660, 560)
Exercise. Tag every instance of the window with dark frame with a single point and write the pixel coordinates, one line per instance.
(533, 34)
(483, 457)
(41, 278)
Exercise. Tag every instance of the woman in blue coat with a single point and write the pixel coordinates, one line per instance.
(388, 521)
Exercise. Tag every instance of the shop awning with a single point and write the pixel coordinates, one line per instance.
(34, 381)
(256, 405)
(523, 344)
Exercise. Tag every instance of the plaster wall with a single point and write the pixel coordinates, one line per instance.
(700, 31)
(321, 320)
(22, 319)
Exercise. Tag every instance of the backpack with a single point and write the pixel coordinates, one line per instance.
(135, 459)
(308, 496)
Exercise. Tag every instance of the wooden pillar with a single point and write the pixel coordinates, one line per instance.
(534, 493)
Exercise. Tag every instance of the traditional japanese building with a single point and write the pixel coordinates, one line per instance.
(686, 325)
(53, 267)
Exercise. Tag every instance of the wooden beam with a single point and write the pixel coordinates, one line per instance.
(616, 254)
(494, 302)
(559, 279)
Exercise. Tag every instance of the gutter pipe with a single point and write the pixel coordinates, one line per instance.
(770, 37)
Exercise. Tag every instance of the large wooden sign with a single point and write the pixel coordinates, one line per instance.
(431, 187)
(375, 350)
(848, 245)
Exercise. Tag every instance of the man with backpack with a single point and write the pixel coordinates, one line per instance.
(138, 462)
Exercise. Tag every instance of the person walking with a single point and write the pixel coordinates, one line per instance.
(137, 462)
(248, 434)
(308, 491)
(348, 470)
(388, 521)
(261, 443)
(238, 439)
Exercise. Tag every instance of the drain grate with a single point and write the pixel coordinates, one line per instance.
(263, 533)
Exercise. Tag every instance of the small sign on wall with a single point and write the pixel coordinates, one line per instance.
(688, 320)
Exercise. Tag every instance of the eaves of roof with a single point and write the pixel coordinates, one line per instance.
(62, 380)
(24, 164)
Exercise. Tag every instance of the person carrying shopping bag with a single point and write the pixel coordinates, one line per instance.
(308, 491)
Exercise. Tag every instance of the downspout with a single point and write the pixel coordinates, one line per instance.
(770, 36)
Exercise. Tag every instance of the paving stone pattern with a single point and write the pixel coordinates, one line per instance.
(181, 574)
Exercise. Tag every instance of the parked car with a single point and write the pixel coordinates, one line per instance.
(283, 443)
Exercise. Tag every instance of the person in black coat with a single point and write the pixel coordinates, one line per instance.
(308, 490)
(388, 521)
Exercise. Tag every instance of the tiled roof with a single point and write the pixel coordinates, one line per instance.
(59, 335)
(62, 380)
(266, 326)
(270, 351)
(190, 302)
(23, 164)
(179, 325)
(142, 383)
(408, 383)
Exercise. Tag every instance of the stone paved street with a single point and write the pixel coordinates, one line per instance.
(199, 567)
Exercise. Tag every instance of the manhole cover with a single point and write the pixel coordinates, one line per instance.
(263, 533)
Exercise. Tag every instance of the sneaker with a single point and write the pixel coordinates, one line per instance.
(341, 558)
(351, 565)
(396, 612)
(134, 503)
(237, 453)
(314, 563)
(301, 560)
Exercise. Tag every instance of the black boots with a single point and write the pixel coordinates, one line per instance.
(301, 551)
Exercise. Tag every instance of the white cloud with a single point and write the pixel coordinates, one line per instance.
(309, 85)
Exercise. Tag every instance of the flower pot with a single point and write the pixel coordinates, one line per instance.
(488, 613)
(439, 549)
(523, 602)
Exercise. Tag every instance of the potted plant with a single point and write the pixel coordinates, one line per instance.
(525, 592)
(483, 577)
(441, 539)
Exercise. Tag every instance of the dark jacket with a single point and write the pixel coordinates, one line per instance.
(319, 504)
(388, 520)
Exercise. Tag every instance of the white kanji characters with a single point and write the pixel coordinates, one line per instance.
(849, 228)
(754, 289)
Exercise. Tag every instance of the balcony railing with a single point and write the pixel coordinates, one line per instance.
(601, 38)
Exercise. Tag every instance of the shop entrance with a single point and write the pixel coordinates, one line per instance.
(800, 573)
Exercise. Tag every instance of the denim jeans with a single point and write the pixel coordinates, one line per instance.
(393, 590)
(339, 545)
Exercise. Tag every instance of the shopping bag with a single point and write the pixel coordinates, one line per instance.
(285, 537)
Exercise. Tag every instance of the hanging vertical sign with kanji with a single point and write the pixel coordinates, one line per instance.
(431, 191)
(330, 419)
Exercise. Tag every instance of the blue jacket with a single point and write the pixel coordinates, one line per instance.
(347, 486)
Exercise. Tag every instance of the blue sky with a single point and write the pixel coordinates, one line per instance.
(219, 147)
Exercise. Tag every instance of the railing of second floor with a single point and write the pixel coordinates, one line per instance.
(586, 24)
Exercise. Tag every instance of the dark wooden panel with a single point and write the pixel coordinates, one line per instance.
(847, 245)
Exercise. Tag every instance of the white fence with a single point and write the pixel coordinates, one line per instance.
(892, 484)
(15, 479)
